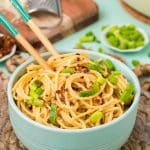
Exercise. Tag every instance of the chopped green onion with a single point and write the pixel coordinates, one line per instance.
(34, 93)
(104, 27)
(39, 91)
(96, 116)
(95, 88)
(113, 77)
(95, 61)
(114, 28)
(101, 80)
(100, 50)
(117, 72)
(87, 39)
(96, 40)
(38, 102)
(125, 37)
(34, 101)
(94, 66)
(36, 89)
(87, 93)
(135, 63)
(148, 54)
(69, 70)
(29, 101)
(127, 94)
(110, 66)
(53, 113)
(35, 84)
(90, 33)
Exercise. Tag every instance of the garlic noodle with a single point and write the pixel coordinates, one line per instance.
(76, 93)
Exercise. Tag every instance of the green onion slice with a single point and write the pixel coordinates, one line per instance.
(90, 33)
(113, 77)
(34, 102)
(100, 50)
(96, 116)
(127, 94)
(95, 88)
(53, 113)
(89, 38)
(69, 70)
(148, 54)
(94, 66)
(109, 65)
(34, 93)
(135, 63)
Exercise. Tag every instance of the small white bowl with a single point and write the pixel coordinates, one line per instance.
(106, 43)
(12, 52)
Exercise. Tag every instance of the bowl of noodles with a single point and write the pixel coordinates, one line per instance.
(87, 101)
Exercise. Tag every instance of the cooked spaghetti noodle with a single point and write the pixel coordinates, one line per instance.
(76, 93)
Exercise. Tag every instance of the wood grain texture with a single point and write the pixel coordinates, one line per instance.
(135, 13)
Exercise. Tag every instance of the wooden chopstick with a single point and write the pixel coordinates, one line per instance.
(28, 47)
(42, 37)
(28, 20)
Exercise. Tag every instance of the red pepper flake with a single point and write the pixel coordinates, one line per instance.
(76, 88)
(62, 98)
(58, 91)
(78, 59)
(85, 69)
(66, 90)
(77, 53)
(82, 77)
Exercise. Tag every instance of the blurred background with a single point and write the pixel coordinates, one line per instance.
(65, 21)
(83, 24)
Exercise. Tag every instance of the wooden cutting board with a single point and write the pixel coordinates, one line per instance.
(76, 15)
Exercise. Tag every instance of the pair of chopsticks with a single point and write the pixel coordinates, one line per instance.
(27, 46)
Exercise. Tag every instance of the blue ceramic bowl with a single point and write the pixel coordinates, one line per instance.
(110, 136)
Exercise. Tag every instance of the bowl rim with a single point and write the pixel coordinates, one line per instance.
(106, 43)
(59, 130)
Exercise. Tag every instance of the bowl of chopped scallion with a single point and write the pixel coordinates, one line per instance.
(124, 38)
